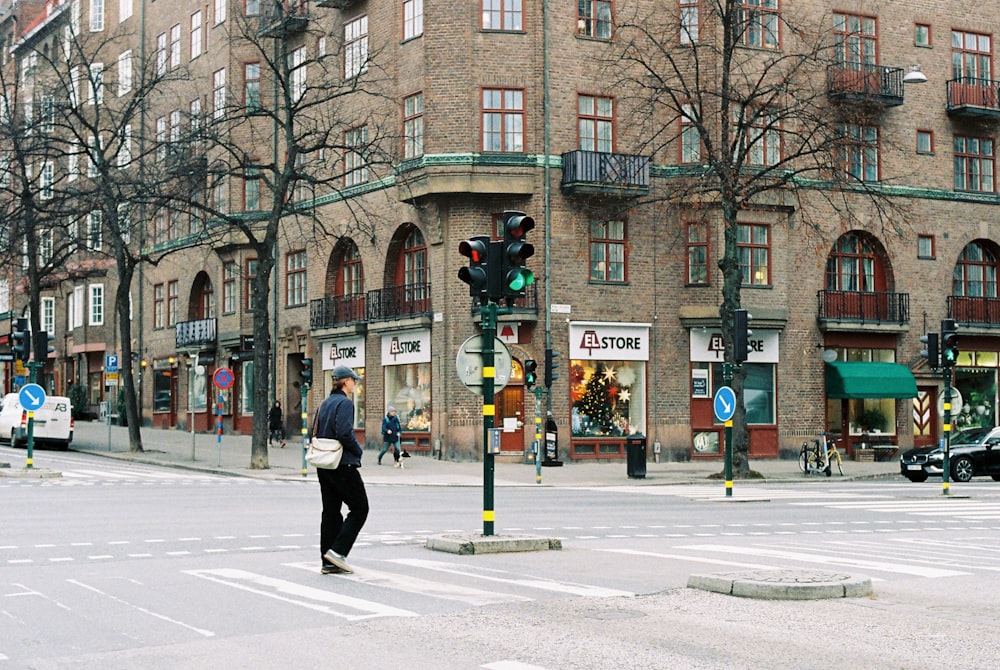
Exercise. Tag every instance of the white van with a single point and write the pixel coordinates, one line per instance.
(53, 422)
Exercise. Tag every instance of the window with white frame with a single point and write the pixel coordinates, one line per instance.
(173, 302)
(355, 166)
(355, 47)
(125, 72)
(93, 155)
(220, 11)
(690, 138)
(251, 187)
(194, 112)
(48, 314)
(124, 10)
(297, 72)
(161, 54)
(175, 46)
(95, 236)
(125, 147)
(413, 125)
(46, 246)
(96, 304)
(78, 307)
(218, 93)
(196, 34)
(161, 137)
(229, 287)
(413, 18)
(73, 162)
(689, 21)
(46, 177)
(95, 85)
(175, 126)
(96, 15)
(295, 279)
(251, 86)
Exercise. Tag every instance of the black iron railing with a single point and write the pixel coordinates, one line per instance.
(983, 312)
(974, 95)
(864, 306)
(337, 310)
(604, 169)
(878, 83)
(398, 302)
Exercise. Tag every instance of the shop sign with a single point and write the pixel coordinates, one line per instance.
(708, 346)
(609, 341)
(406, 347)
(349, 351)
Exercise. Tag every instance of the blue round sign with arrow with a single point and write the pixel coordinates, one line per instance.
(725, 403)
(31, 397)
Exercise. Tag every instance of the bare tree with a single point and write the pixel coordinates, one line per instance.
(84, 168)
(735, 95)
(312, 124)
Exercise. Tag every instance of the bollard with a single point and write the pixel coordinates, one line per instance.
(656, 451)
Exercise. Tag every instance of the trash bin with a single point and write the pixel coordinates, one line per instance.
(635, 456)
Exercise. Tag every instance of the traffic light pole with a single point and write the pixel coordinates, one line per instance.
(946, 463)
(33, 368)
(304, 417)
(727, 378)
(489, 320)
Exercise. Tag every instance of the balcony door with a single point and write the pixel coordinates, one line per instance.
(856, 281)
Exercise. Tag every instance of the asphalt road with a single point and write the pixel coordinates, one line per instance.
(121, 565)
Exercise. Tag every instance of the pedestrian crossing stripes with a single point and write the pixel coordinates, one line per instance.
(941, 507)
(752, 492)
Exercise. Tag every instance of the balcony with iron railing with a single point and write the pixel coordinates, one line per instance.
(864, 307)
(334, 311)
(398, 302)
(594, 172)
(978, 312)
(972, 98)
(525, 308)
(283, 18)
(865, 83)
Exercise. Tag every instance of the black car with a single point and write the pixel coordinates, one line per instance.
(974, 452)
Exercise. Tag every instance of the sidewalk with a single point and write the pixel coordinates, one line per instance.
(231, 456)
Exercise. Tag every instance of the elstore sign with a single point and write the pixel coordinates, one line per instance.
(609, 341)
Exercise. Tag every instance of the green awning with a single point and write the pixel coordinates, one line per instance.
(869, 380)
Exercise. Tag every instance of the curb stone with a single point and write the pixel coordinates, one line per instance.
(469, 543)
(781, 584)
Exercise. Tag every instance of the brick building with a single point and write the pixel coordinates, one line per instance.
(628, 290)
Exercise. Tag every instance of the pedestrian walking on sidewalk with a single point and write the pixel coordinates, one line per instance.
(276, 424)
(390, 437)
(342, 486)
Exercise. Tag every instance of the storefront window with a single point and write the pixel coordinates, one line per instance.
(246, 388)
(359, 400)
(758, 391)
(609, 397)
(408, 389)
(161, 390)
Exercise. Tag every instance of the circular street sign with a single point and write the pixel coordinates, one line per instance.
(725, 403)
(956, 403)
(223, 378)
(31, 397)
(469, 364)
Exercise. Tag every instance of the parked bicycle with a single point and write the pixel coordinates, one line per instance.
(820, 455)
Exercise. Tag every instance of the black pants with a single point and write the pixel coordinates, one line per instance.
(339, 487)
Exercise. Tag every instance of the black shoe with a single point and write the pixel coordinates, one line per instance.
(330, 569)
(332, 559)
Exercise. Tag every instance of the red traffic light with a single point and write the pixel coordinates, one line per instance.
(474, 249)
(517, 224)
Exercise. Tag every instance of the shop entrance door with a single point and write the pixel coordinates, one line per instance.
(925, 417)
(510, 418)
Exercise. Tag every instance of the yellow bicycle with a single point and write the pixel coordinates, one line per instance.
(820, 455)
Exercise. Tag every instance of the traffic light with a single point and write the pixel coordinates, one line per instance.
(550, 364)
(741, 335)
(42, 340)
(476, 275)
(931, 352)
(307, 370)
(530, 374)
(20, 339)
(949, 342)
(516, 278)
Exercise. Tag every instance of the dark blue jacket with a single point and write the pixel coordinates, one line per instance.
(390, 423)
(335, 419)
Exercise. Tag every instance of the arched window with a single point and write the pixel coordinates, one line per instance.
(853, 265)
(350, 279)
(975, 272)
(411, 272)
(350, 287)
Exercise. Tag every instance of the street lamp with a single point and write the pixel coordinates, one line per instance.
(914, 76)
